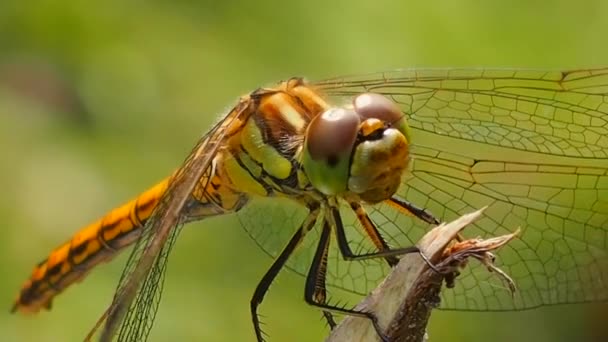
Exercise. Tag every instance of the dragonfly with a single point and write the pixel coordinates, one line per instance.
(336, 179)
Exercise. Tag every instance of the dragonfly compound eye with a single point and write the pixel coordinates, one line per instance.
(330, 139)
(376, 106)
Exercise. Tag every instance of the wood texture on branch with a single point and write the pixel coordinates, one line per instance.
(404, 300)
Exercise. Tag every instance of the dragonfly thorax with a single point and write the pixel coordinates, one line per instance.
(360, 149)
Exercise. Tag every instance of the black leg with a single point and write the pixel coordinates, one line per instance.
(314, 292)
(315, 281)
(277, 265)
(412, 210)
(372, 232)
(348, 254)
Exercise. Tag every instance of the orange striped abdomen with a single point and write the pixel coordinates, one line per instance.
(96, 243)
(121, 227)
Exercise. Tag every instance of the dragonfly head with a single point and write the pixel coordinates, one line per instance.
(361, 149)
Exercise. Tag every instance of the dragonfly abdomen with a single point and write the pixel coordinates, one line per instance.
(105, 238)
(96, 243)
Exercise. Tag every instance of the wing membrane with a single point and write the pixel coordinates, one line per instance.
(561, 255)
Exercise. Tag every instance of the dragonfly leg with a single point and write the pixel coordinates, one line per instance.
(372, 232)
(315, 292)
(348, 254)
(411, 209)
(277, 265)
(421, 213)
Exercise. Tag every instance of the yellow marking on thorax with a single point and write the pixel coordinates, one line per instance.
(288, 112)
(272, 162)
(216, 193)
(251, 165)
(241, 179)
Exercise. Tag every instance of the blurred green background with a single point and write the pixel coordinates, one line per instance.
(98, 100)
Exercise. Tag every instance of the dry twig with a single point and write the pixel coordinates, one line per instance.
(404, 300)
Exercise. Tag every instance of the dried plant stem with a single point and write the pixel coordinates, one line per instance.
(404, 300)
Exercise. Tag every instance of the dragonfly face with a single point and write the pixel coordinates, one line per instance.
(361, 149)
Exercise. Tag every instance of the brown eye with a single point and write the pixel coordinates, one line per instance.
(331, 135)
(372, 105)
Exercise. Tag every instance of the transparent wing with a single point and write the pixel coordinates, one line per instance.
(132, 311)
(530, 145)
(562, 209)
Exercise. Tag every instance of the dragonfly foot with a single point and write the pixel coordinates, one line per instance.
(377, 327)
(429, 263)
(329, 319)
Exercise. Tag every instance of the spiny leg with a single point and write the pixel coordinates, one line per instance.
(345, 250)
(314, 290)
(372, 232)
(383, 250)
(315, 293)
(411, 209)
(276, 266)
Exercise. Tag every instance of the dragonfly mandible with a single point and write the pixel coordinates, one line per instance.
(375, 160)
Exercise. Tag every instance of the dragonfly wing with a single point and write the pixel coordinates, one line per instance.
(561, 254)
(132, 311)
